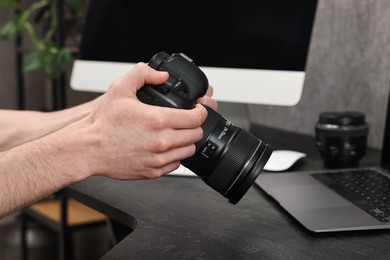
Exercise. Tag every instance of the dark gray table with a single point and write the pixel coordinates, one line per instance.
(182, 218)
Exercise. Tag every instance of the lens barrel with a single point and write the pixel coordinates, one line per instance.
(341, 138)
(228, 158)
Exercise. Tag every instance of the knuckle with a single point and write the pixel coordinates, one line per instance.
(199, 135)
(159, 161)
(163, 144)
(141, 66)
(153, 120)
(198, 119)
(158, 121)
(155, 173)
(202, 116)
(115, 85)
(192, 150)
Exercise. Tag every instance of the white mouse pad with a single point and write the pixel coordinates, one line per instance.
(282, 160)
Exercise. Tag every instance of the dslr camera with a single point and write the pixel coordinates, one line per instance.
(228, 158)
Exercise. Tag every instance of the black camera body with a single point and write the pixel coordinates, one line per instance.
(228, 158)
(185, 85)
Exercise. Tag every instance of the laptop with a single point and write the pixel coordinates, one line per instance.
(339, 199)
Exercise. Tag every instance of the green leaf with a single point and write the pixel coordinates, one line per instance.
(47, 56)
(9, 30)
(52, 60)
(9, 4)
(33, 61)
(12, 28)
(56, 61)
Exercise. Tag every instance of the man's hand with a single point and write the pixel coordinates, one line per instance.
(116, 136)
(207, 99)
(137, 140)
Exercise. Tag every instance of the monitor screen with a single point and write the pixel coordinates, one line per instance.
(251, 51)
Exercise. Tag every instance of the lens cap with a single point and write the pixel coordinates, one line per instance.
(342, 118)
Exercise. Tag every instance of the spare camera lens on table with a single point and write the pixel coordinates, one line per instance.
(341, 138)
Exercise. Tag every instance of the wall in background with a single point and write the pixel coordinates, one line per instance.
(37, 89)
(348, 68)
(7, 68)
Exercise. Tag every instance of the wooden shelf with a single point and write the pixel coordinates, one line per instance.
(78, 214)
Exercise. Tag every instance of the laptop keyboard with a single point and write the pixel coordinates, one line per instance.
(366, 188)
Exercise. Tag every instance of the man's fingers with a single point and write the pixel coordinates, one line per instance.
(182, 118)
(140, 75)
(210, 91)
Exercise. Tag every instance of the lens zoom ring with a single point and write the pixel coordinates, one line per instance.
(232, 161)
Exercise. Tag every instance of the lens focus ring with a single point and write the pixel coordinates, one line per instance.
(233, 161)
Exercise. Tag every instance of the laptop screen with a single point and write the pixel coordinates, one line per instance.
(385, 160)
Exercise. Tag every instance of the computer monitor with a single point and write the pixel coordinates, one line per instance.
(253, 52)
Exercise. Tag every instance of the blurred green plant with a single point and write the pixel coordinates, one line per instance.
(46, 54)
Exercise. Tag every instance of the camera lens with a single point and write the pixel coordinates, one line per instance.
(341, 138)
(228, 159)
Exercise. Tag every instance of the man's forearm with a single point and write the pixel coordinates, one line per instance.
(18, 127)
(34, 170)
